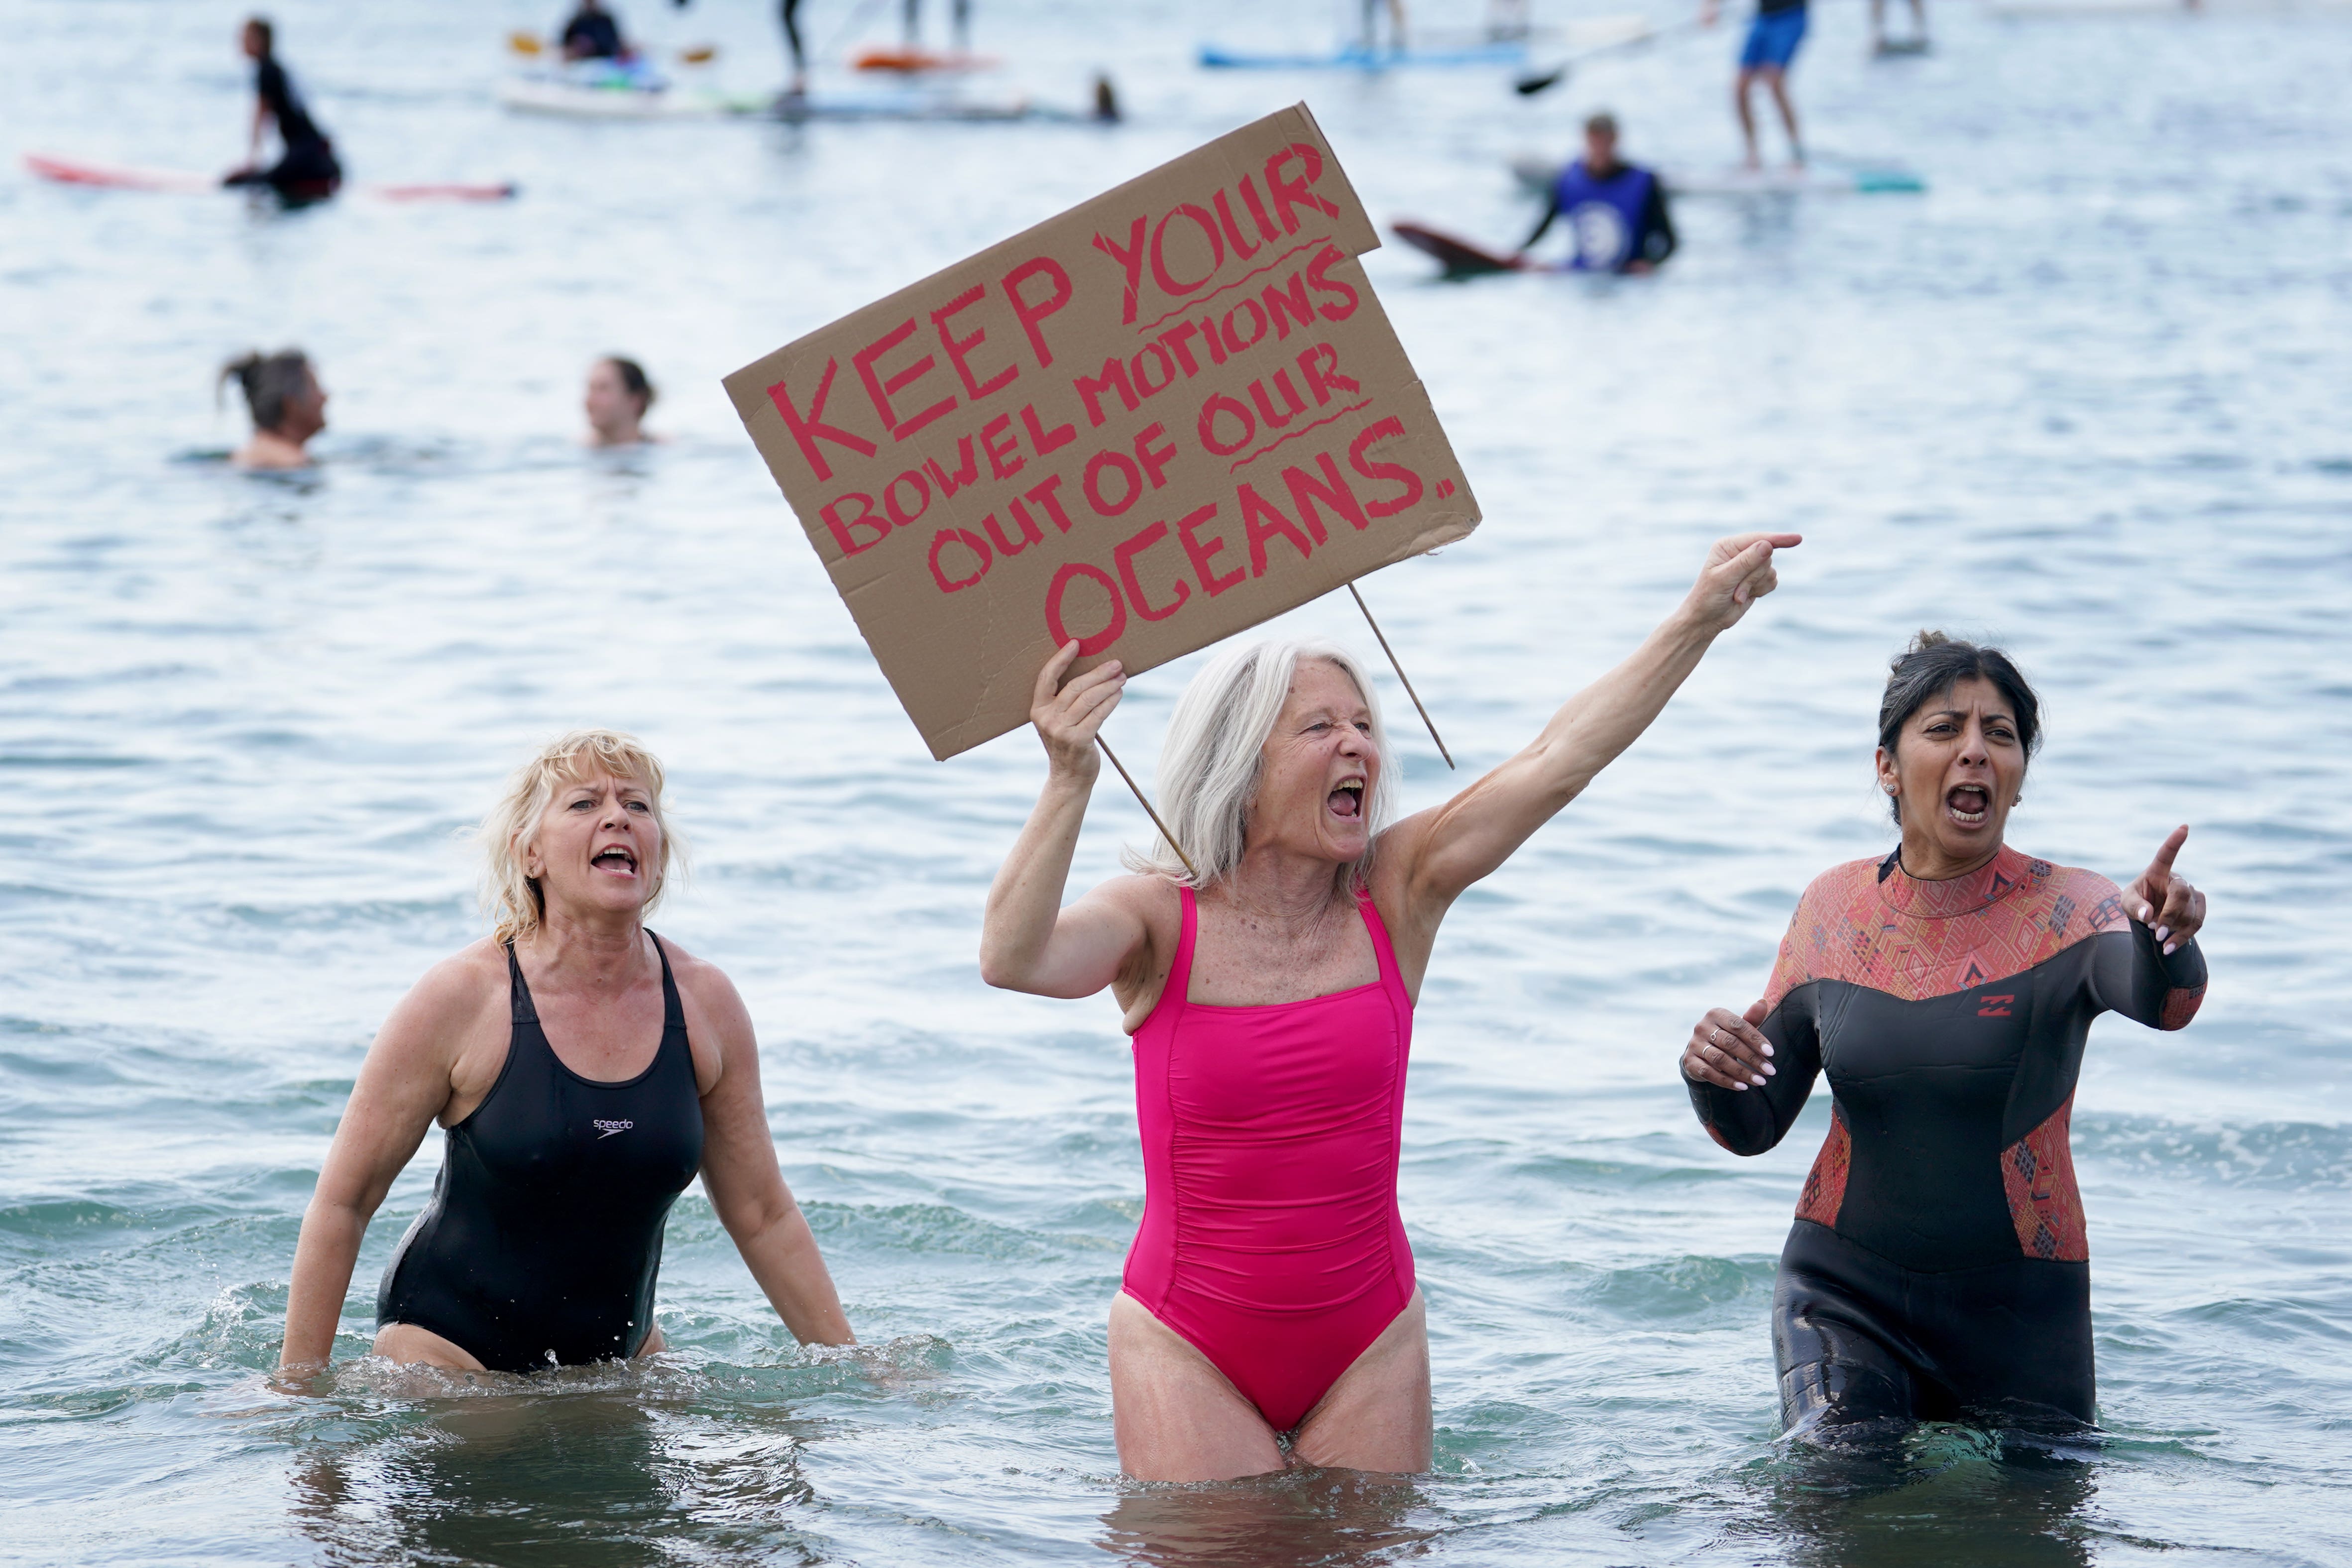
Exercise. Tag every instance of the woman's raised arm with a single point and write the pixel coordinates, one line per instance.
(1440, 852)
(1028, 942)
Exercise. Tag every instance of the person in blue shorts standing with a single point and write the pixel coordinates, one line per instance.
(1771, 48)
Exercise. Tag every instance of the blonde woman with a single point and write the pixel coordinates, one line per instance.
(585, 1071)
(1268, 1309)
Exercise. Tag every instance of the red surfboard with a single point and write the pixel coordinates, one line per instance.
(70, 171)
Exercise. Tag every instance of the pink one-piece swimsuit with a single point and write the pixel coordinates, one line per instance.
(1270, 1238)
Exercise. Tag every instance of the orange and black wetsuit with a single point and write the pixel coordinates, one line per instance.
(1938, 1268)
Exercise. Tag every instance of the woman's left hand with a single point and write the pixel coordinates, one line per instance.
(1738, 573)
(2166, 903)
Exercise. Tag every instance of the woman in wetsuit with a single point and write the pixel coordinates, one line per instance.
(1270, 1288)
(306, 170)
(1938, 1268)
(586, 1071)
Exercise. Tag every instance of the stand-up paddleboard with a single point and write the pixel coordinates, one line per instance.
(1537, 176)
(70, 171)
(1356, 58)
(1460, 258)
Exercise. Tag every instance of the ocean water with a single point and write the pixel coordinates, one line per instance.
(2085, 395)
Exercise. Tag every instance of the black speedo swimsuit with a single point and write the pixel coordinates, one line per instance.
(544, 1236)
(1938, 1268)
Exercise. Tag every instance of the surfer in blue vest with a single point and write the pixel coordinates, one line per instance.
(1616, 212)
(1773, 38)
(306, 171)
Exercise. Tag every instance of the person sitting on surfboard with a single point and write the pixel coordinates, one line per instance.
(593, 34)
(307, 170)
(1616, 212)
(288, 405)
(1771, 48)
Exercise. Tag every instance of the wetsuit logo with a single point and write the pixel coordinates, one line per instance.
(606, 1129)
(1602, 239)
(1989, 1006)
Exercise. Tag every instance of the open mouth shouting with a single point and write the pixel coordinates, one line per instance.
(1967, 805)
(615, 859)
(1347, 801)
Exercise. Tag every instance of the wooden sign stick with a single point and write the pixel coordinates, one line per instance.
(1146, 803)
(1409, 692)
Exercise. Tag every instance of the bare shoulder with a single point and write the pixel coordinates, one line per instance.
(1145, 895)
(454, 991)
(704, 987)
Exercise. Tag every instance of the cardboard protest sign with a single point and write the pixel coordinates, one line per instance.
(1168, 414)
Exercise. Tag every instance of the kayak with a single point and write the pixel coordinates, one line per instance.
(540, 93)
(1537, 176)
(906, 103)
(71, 172)
(1356, 58)
(533, 94)
(910, 61)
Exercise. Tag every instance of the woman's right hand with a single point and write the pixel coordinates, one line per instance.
(1068, 717)
(1727, 1050)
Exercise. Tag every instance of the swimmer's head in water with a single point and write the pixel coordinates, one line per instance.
(619, 396)
(1951, 696)
(281, 391)
(259, 37)
(1229, 749)
(519, 827)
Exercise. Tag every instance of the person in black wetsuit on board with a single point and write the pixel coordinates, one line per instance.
(1938, 1268)
(593, 34)
(586, 1072)
(306, 170)
(1616, 211)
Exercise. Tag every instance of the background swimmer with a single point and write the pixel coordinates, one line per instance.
(617, 398)
(288, 405)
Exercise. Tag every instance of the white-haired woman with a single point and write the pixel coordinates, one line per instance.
(585, 1071)
(1270, 1288)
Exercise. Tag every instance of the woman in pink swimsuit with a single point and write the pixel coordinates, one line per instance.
(1270, 1289)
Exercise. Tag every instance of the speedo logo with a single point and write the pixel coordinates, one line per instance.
(606, 1129)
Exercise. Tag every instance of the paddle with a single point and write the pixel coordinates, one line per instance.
(1529, 85)
(532, 46)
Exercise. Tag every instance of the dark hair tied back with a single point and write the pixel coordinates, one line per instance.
(633, 381)
(269, 382)
(1932, 666)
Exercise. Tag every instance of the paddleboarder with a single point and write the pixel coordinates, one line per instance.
(593, 34)
(288, 405)
(306, 170)
(1616, 211)
(1774, 39)
(1917, 44)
